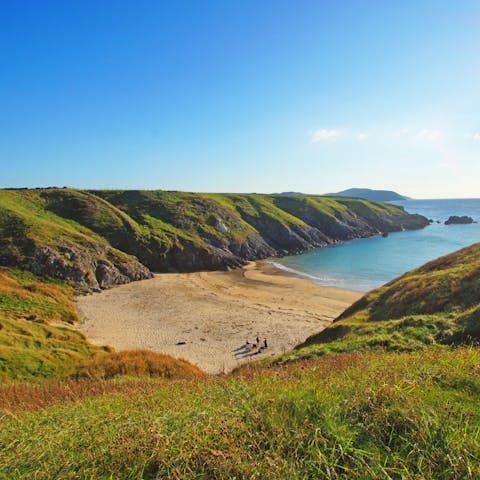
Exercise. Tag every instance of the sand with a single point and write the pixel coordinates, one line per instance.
(207, 317)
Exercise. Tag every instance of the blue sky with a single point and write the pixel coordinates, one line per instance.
(243, 96)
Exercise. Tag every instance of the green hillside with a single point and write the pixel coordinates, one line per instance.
(63, 234)
(436, 304)
(33, 342)
(98, 239)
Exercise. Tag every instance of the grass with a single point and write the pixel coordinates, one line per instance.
(352, 416)
(23, 396)
(33, 342)
(386, 392)
(53, 217)
(447, 284)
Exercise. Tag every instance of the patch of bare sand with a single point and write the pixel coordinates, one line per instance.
(207, 317)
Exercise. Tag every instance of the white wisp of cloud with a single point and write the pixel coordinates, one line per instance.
(323, 135)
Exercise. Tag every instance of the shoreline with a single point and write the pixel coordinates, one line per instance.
(278, 269)
(207, 317)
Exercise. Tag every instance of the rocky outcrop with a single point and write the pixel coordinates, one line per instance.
(456, 220)
(87, 270)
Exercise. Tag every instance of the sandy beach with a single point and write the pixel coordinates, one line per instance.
(207, 317)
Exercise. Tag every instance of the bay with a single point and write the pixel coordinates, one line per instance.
(364, 264)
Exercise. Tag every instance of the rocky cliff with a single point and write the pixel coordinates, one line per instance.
(97, 239)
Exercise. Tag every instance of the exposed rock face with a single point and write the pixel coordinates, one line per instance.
(92, 271)
(221, 227)
(86, 271)
(273, 239)
(455, 220)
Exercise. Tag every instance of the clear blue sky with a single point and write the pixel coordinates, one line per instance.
(244, 96)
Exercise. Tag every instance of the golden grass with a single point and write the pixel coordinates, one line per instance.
(137, 363)
(28, 396)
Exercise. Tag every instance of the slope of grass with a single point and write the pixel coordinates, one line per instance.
(336, 207)
(375, 416)
(179, 216)
(54, 217)
(438, 303)
(25, 223)
(91, 212)
(31, 347)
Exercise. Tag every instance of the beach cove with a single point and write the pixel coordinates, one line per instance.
(207, 317)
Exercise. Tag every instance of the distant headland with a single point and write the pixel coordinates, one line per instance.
(363, 193)
(369, 194)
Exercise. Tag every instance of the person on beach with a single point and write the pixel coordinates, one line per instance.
(265, 343)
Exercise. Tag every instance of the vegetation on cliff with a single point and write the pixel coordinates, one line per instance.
(98, 239)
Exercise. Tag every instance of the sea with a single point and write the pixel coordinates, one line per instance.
(364, 264)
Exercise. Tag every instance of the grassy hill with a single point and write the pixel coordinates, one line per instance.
(33, 343)
(98, 239)
(57, 233)
(349, 416)
(436, 304)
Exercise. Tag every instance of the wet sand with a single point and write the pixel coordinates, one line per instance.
(207, 317)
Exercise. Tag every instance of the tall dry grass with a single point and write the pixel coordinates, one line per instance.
(137, 363)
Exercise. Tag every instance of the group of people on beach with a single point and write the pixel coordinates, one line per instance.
(260, 345)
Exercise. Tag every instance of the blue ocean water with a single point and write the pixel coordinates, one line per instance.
(364, 264)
